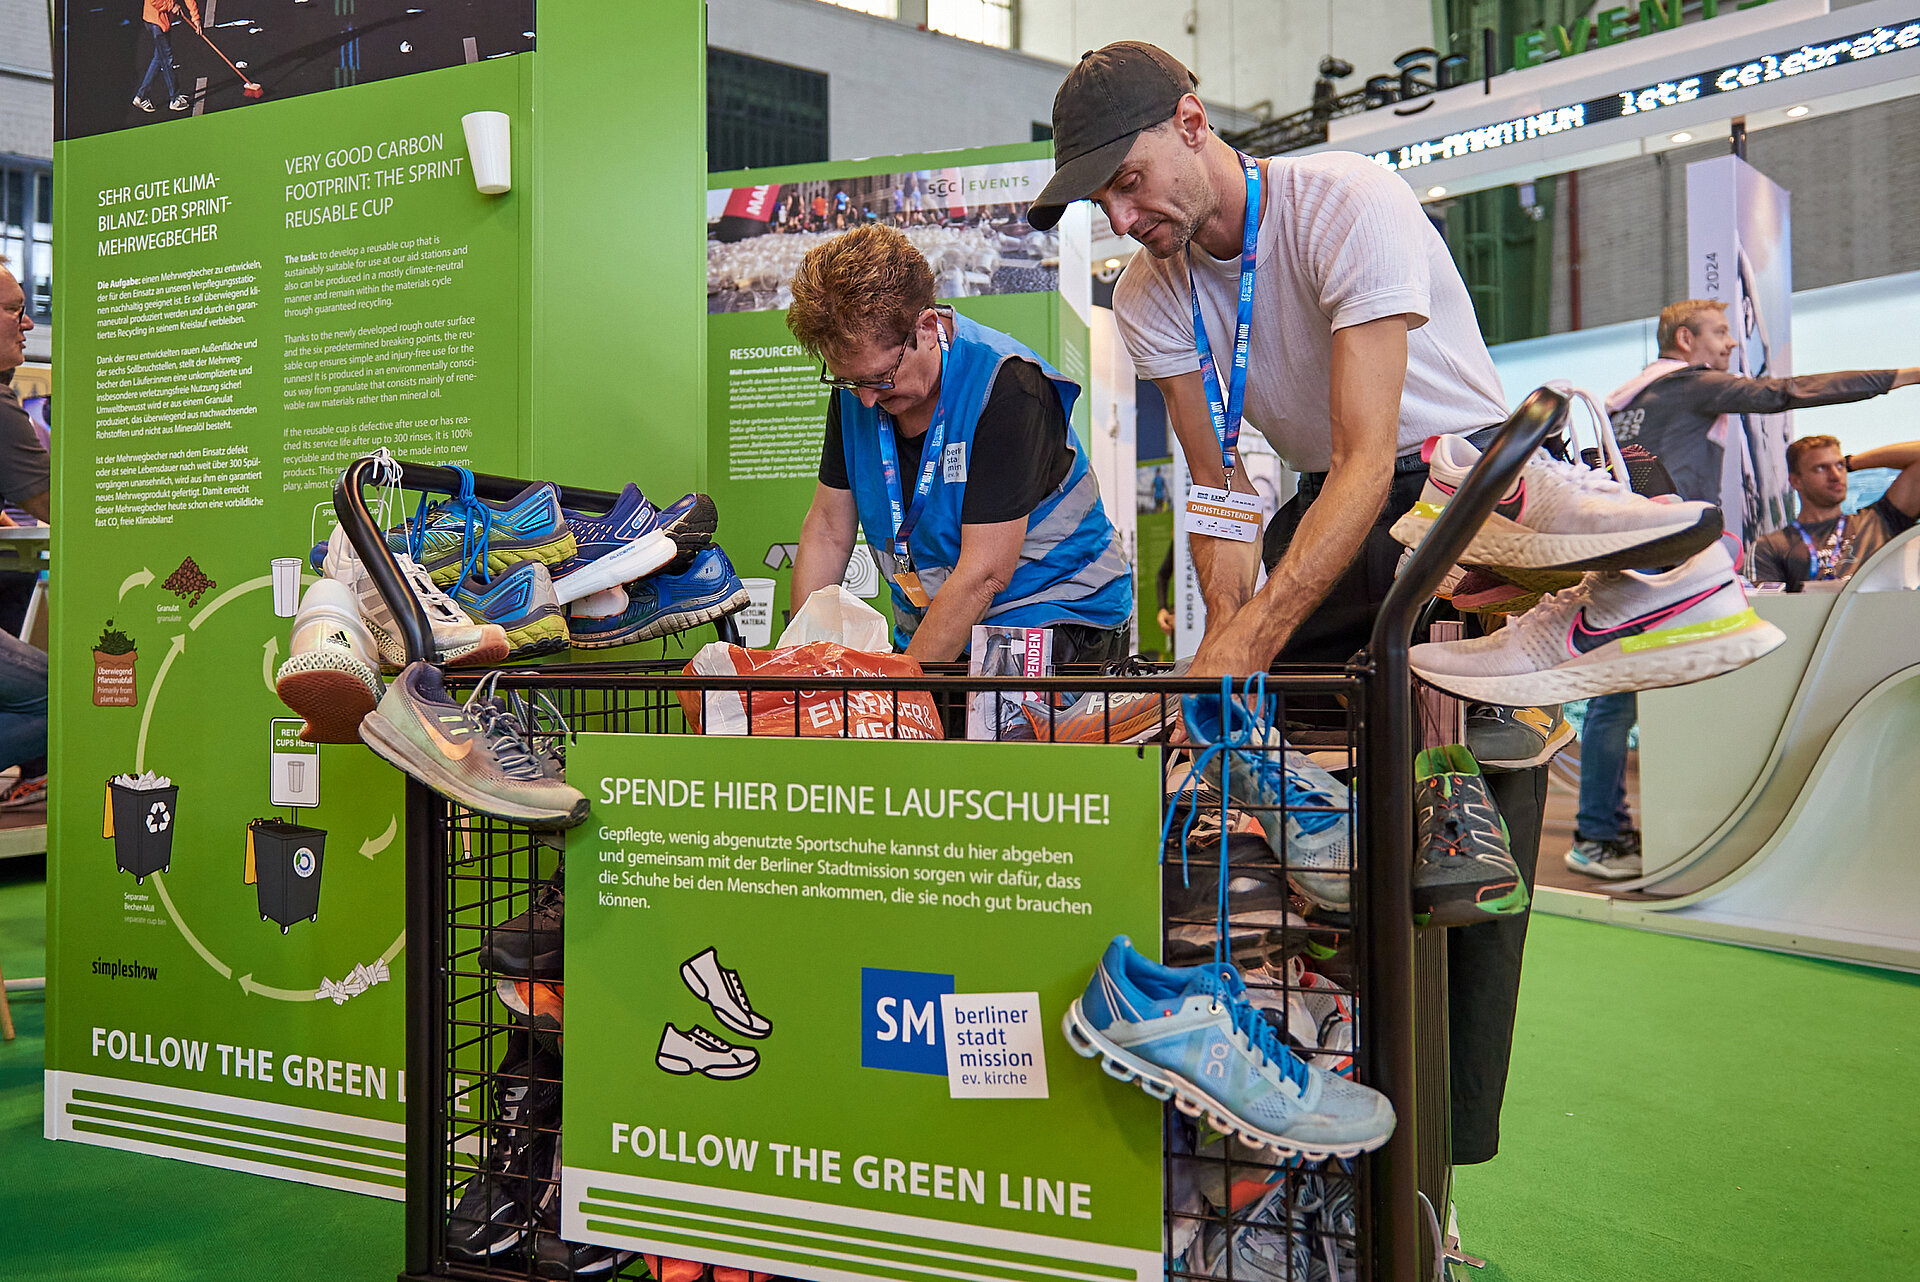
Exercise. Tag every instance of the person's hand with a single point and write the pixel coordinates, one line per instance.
(1165, 620)
(7, 522)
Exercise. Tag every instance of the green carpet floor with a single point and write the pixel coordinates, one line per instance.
(1678, 1112)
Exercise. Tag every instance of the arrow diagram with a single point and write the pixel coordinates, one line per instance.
(160, 884)
(268, 653)
(252, 989)
(374, 845)
(264, 581)
(178, 644)
(781, 555)
(394, 950)
(138, 579)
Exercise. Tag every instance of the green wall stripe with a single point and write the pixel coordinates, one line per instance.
(397, 1147)
(808, 1262)
(248, 1155)
(214, 1131)
(663, 1205)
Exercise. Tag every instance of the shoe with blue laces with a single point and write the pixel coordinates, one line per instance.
(1315, 843)
(665, 603)
(633, 540)
(521, 601)
(1190, 1035)
(457, 537)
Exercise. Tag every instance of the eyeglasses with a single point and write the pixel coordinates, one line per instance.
(18, 313)
(882, 384)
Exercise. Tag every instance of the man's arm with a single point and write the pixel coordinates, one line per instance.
(41, 506)
(826, 541)
(1227, 569)
(1719, 392)
(989, 554)
(1769, 564)
(1369, 373)
(1904, 493)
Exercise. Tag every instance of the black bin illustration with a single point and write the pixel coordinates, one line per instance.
(287, 859)
(140, 821)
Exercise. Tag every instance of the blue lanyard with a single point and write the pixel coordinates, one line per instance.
(905, 518)
(1820, 567)
(1226, 411)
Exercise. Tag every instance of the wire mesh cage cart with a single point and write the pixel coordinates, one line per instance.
(1328, 952)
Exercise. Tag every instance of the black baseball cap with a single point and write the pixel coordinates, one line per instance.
(1108, 98)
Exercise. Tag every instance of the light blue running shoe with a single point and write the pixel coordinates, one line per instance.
(1317, 851)
(1189, 1034)
(666, 603)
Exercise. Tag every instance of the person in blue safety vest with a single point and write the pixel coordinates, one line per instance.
(948, 443)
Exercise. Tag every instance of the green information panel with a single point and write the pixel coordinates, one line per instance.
(814, 999)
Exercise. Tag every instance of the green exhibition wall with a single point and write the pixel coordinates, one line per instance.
(248, 298)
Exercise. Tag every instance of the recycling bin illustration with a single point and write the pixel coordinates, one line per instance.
(140, 822)
(284, 862)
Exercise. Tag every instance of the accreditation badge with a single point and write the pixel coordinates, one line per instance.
(909, 584)
(1222, 514)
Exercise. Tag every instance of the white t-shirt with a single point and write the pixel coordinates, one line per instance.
(1343, 242)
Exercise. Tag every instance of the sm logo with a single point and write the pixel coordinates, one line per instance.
(900, 1021)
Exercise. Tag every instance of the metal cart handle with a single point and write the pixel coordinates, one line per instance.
(1386, 967)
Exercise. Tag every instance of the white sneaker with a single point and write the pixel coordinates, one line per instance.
(720, 988)
(331, 676)
(179, 103)
(458, 638)
(1614, 632)
(698, 1051)
(1561, 516)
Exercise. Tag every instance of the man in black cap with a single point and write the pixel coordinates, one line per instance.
(1313, 294)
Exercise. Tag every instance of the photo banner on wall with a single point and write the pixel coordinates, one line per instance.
(816, 993)
(1740, 251)
(248, 299)
(965, 211)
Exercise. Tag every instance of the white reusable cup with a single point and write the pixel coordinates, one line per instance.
(286, 586)
(490, 150)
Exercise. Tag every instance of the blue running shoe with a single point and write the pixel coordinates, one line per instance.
(1317, 850)
(1190, 1034)
(666, 603)
(467, 535)
(522, 602)
(634, 540)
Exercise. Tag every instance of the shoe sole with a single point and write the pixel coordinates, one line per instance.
(493, 648)
(1503, 543)
(693, 533)
(403, 754)
(1163, 1084)
(1088, 729)
(1472, 912)
(1597, 870)
(645, 555)
(540, 1022)
(546, 635)
(332, 690)
(1560, 738)
(664, 624)
(503, 557)
(547, 966)
(1674, 665)
(685, 1068)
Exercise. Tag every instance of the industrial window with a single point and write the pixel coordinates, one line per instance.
(26, 230)
(988, 22)
(762, 113)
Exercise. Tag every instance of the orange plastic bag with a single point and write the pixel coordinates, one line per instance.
(827, 714)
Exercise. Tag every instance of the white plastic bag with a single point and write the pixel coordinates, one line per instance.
(837, 615)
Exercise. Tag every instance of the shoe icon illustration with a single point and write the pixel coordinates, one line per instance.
(695, 1050)
(720, 988)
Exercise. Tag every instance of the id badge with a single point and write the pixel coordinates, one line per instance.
(909, 583)
(1222, 514)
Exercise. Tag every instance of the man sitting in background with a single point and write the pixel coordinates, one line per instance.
(1826, 542)
(23, 481)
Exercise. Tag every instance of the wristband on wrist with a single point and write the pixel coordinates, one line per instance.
(1846, 461)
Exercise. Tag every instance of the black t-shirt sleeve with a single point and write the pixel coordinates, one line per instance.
(1897, 522)
(25, 471)
(833, 451)
(1019, 453)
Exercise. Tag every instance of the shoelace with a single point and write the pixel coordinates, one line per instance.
(734, 987)
(503, 731)
(701, 1037)
(1587, 478)
(1549, 612)
(1223, 983)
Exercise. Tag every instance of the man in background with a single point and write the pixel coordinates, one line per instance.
(1679, 408)
(24, 482)
(1826, 541)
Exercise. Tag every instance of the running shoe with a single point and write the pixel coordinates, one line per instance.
(1191, 1035)
(1301, 807)
(1463, 869)
(510, 1192)
(1516, 738)
(1303, 1231)
(458, 639)
(419, 729)
(532, 944)
(1617, 631)
(555, 1257)
(458, 536)
(1607, 860)
(25, 793)
(1102, 718)
(1309, 1009)
(1560, 516)
(721, 990)
(331, 677)
(664, 604)
(522, 602)
(540, 1006)
(634, 540)
(694, 1050)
